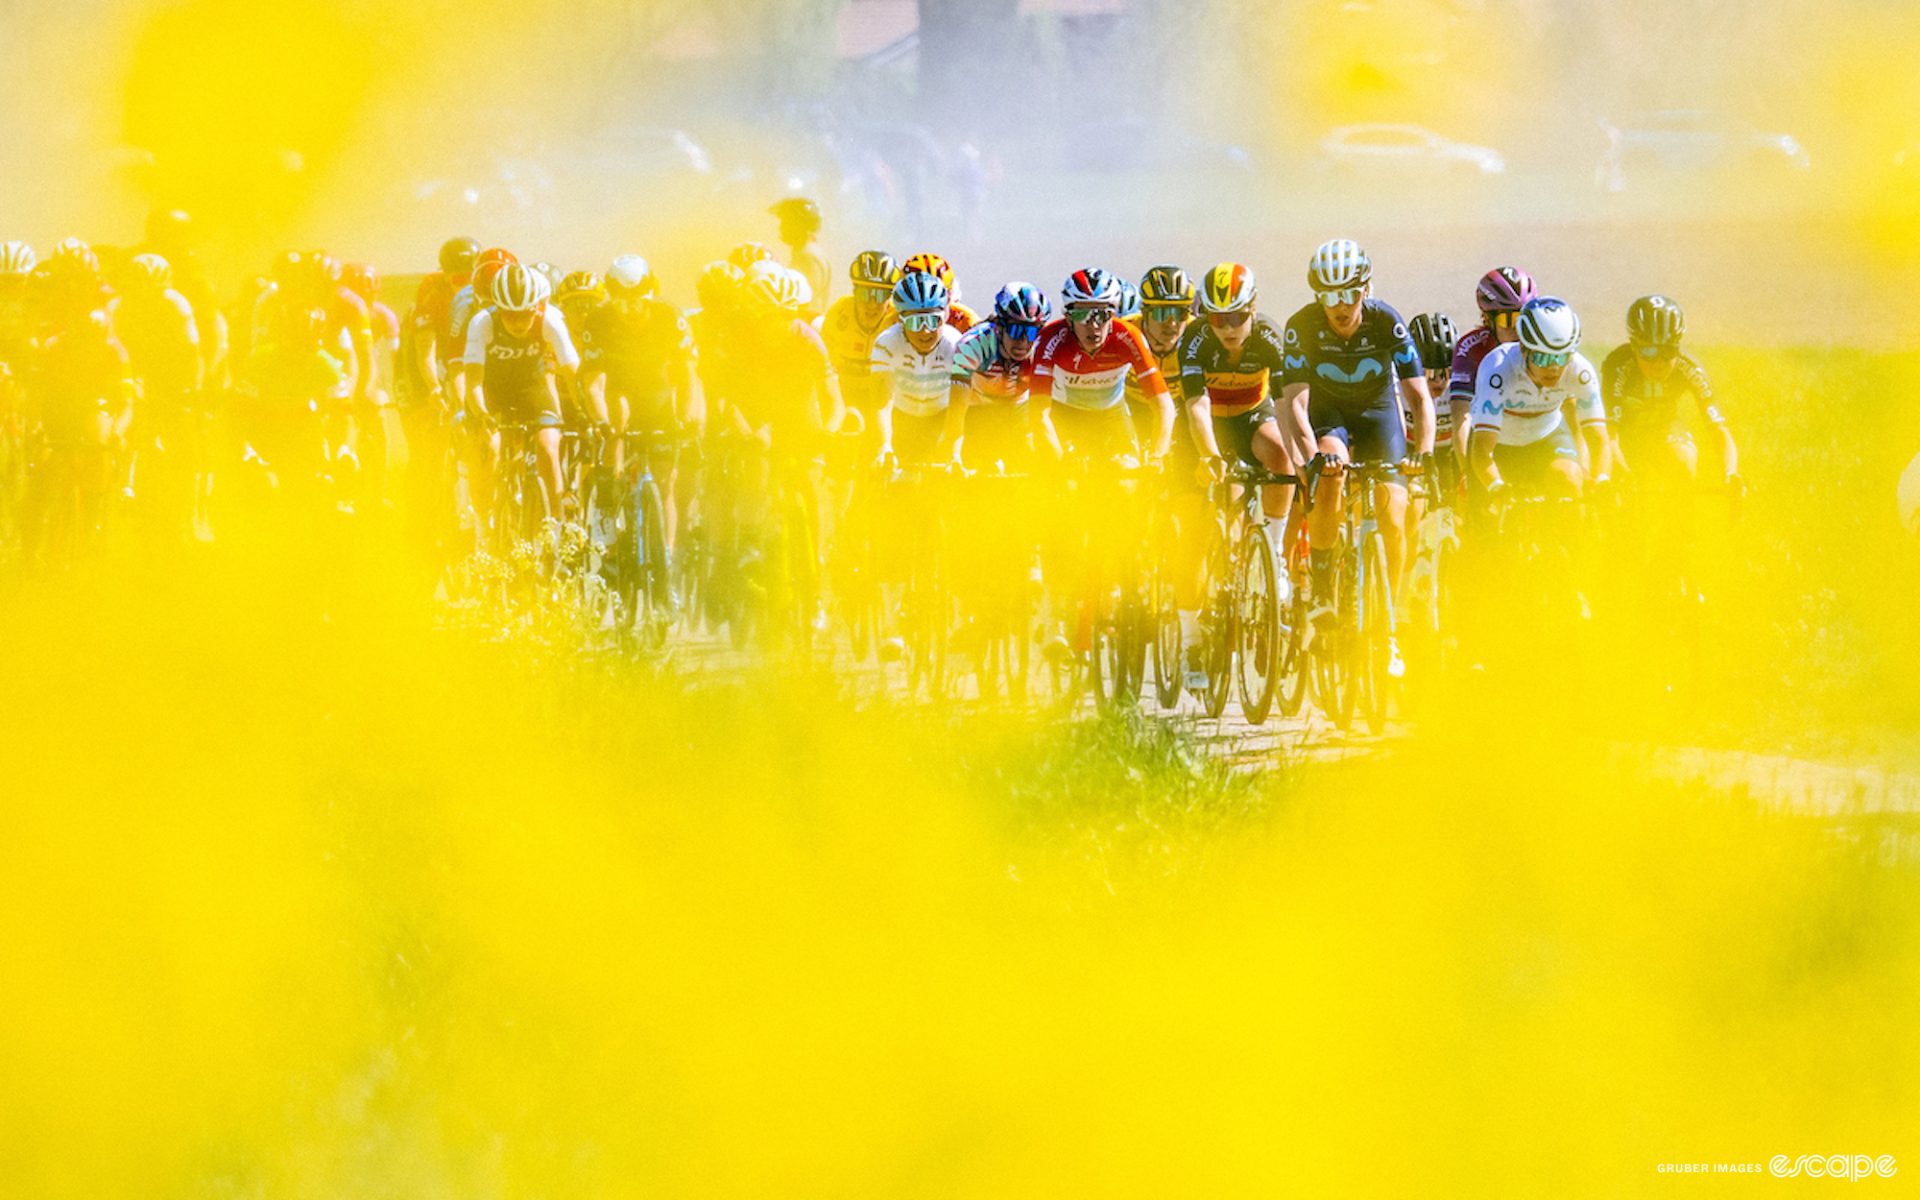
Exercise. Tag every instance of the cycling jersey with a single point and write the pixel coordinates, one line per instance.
(432, 317)
(1168, 362)
(1233, 384)
(994, 378)
(81, 370)
(1508, 401)
(161, 339)
(920, 381)
(1093, 382)
(514, 370)
(642, 346)
(778, 369)
(1468, 353)
(1643, 407)
(1350, 374)
(850, 347)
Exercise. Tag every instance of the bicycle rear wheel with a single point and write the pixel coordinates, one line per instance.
(1375, 641)
(1217, 627)
(652, 599)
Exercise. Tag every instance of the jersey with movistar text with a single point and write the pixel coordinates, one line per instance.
(1351, 373)
(1508, 401)
(1233, 384)
(1067, 374)
(642, 346)
(995, 379)
(920, 381)
(1639, 404)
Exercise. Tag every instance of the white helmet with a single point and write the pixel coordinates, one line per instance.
(1090, 287)
(778, 286)
(151, 270)
(1548, 326)
(1339, 264)
(519, 288)
(17, 258)
(630, 274)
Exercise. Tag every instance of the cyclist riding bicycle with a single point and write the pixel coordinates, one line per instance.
(1435, 337)
(959, 315)
(1080, 373)
(516, 351)
(1519, 434)
(993, 367)
(800, 234)
(1352, 372)
(1644, 383)
(1500, 295)
(851, 324)
(913, 369)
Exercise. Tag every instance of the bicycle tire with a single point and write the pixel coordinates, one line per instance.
(1216, 626)
(1257, 628)
(1375, 640)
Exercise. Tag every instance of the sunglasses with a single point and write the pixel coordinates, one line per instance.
(1656, 353)
(1020, 331)
(923, 322)
(1090, 316)
(1341, 298)
(873, 295)
(1549, 360)
(1166, 312)
(1501, 320)
(1229, 320)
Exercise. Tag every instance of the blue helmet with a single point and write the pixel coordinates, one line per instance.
(919, 291)
(1129, 300)
(1022, 303)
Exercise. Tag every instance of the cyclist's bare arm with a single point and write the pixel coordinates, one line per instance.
(954, 427)
(1599, 447)
(1296, 431)
(1415, 395)
(1200, 425)
(1480, 453)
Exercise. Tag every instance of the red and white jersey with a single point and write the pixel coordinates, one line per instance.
(1468, 351)
(1066, 373)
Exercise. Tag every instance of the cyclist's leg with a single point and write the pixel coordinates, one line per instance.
(1381, 437)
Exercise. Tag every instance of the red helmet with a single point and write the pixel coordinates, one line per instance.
(362, 280)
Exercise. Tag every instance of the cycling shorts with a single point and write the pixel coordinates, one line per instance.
(1094, 433)
(1375, 434)
(1235, 434)
(1528, 465)
(916, 439)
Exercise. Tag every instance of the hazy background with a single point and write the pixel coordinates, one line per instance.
(1022, 138)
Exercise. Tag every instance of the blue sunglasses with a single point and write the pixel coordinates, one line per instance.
(1020, 331)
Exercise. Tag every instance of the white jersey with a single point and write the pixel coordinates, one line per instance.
(482, 334)
(1508, 401)
(920, 381)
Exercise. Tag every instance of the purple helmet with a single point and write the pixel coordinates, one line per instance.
(1505, 289)
(1022, 302)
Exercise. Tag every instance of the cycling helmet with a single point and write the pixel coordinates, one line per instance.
(1655, 321)
(72, 254)
(1090, 287)
(520, 289)
(1229, 287)
(719, 285)
(874, 268)
(150, 272)
(629, 276)
(1339, 264)
(494, 256)
(1129, 300)
(1505, 289)
(362, 280)
(1166, 285)
(919, 291)
(553, 274)
(933, 264)
(325, 268)
(17, 258)
(778, 288)
(1548, 326)
(798, 210)
(1434, 335)
(580, 285)
(748, 253)
(457, 255)
(1022, 303)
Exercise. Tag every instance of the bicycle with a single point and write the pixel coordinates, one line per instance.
(625, 517)
(1247, 635)
(1351, 662)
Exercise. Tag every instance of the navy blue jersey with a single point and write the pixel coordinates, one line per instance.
(1353, 373)
(1637, 403)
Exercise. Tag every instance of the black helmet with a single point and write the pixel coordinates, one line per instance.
(1656, 321)
(799, 210)
(1433, 335)
(457, 255)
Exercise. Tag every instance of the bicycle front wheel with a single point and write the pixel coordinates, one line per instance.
(1257, 628)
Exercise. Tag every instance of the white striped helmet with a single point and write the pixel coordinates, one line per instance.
(17, 258)
(519, 288)
(1339, 264)
(152, 271)
(1548, 325)
(630, 275)
(778, 287)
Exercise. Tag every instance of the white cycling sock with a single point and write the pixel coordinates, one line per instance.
(1276, 531)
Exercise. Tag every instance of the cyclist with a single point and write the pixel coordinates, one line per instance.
(579, 295)
(429, 345)
(1161, 312)
(637, 354)
(516, 350)
(716, 325)
(1437, 340)
(1080, 374)
(1519, 433)
(913, 369)
(170, 235)
(851, 324)
(1500, 295)
(992, 369)
(1350, 366)
(800, 234)
(1644, 383)
(790, 397)
(1228, 362)
(155, 324)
